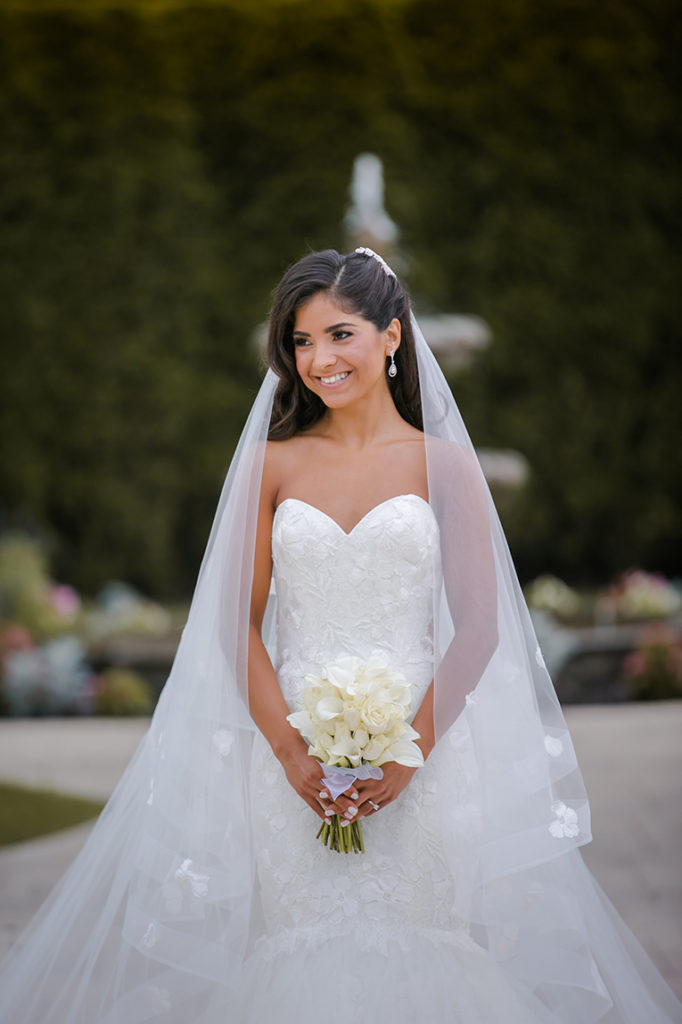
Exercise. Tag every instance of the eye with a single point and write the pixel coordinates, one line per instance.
(341, 335)
(301, 342)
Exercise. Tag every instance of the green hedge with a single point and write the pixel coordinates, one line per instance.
(162, 163)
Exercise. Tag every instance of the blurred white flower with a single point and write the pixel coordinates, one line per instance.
(642, 595)
(551, 594)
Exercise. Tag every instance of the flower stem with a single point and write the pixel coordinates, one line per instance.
(340, 838)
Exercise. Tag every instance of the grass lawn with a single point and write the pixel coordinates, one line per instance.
(27, 813)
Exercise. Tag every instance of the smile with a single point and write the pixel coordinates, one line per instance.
(335, 378)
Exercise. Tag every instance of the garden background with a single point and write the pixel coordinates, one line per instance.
(162, 163)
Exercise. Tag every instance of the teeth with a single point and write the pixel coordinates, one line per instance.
(337, 376)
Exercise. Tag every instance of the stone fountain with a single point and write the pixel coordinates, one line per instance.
(455, 338)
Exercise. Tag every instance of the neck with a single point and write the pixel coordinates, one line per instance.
(364, 423)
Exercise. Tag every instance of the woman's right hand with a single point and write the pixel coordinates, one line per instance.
(304, 774)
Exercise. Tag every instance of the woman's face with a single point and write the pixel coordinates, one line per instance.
(340, 355)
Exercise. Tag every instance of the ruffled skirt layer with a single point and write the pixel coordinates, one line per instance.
(326, 979)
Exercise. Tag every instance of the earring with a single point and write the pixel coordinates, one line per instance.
(393, 369)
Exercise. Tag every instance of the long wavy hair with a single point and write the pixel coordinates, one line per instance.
(360, 285)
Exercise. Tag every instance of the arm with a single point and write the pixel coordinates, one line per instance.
(266, 702)
(459, 497)
(470, 580)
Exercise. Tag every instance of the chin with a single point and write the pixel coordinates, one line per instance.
(336, 399)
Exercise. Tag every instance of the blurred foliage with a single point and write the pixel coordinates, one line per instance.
(654, 669)
(119, 691)
(163, 162)
(27, 594)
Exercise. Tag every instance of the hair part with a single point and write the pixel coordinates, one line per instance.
(360, 285)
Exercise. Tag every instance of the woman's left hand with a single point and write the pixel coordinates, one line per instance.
(381, 792)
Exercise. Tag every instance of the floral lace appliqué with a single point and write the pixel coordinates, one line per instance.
(566, 824)
(553, 746)
(184, 880)
(223, 740)
(161, 1000)
(151, 935)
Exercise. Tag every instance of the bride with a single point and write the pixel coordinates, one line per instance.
(354, 521)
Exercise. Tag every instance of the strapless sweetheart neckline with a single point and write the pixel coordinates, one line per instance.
(367, 515)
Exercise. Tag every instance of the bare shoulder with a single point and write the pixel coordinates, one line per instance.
(279, 455)
(281, 459)
(452, 456)
(411, 434)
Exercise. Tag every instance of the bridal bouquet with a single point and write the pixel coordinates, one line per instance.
(354, 717)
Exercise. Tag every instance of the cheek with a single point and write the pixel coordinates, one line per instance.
(301, 357)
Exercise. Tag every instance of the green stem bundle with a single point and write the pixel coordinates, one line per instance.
(341, 838)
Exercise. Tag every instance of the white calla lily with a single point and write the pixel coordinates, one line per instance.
(329, 707)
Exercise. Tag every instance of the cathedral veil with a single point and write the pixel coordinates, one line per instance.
(160, 909)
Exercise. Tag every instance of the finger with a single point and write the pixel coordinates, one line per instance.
(315, 807)
(370, 794)
(373, 803)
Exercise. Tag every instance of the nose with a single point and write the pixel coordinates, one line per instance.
(324, 357)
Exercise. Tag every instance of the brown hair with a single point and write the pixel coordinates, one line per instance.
(360, 284)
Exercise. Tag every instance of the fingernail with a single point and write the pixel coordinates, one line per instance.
(323, 795)
(330, 811)
(355, 796)
(344, 823)
(351, 811)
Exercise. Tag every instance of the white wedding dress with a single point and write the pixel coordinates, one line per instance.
(370, 936)
(204, 897)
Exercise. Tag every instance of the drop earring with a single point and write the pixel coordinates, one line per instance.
(393, 369)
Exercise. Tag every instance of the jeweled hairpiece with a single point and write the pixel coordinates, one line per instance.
(375, 255)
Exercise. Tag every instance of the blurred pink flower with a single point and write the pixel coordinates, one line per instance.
(654, 668)
(634, 664)
(64, 600)
(14, 638)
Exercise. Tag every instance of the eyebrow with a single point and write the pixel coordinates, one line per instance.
(328, 330)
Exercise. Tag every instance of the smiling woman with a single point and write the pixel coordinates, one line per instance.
(343, 314)
(327, 356)
(343, 362)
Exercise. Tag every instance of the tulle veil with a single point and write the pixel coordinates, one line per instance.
(160, 910)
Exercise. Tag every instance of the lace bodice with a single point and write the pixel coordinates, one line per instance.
(354, 593)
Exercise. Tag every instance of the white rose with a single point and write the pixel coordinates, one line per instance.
(376, 715)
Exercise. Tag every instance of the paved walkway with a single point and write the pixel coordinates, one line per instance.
(631, 756)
